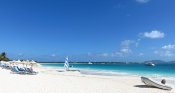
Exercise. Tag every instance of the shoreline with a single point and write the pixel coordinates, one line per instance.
(114, 73)
(50, 81)
(99, 73)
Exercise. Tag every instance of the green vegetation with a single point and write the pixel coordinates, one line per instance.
(3, 57)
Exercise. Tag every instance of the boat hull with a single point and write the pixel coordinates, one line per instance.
(152, 83)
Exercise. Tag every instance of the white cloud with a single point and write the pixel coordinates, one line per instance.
(154, 34)
(137, 42)
(125, 50)
(126, 46)
(127, 43)
(168, 47)
(164, 53)
(166, 50)
(117, 54)
(53, 55)
(99, 55)
(168, 54)
(141, 54)
(20, 54)
(142, 1)
(104, 54)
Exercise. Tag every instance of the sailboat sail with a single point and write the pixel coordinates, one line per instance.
(66, 64)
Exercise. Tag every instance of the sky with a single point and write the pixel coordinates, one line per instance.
(88, 30)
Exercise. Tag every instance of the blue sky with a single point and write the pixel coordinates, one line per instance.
(88, 30)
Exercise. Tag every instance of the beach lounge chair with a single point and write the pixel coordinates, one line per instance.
(30, 71)
(16, 70)
(153, 83)
(5, 66)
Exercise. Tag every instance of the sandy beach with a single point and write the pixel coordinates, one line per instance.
(71, 82)
(87, 46)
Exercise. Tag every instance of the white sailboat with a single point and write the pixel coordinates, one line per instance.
(90, 63)
(149, 64)
(66, 64)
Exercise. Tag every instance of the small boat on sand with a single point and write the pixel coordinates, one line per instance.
(156, 84)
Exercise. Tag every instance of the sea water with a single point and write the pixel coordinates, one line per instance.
(160, 70)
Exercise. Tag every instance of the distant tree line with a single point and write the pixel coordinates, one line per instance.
(3, 57)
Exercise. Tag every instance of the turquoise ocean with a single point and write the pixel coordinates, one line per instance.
(160, 70)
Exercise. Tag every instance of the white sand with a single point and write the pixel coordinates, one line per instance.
(71, 82)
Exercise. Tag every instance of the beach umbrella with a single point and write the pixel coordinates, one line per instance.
(18, 60)
(33, 62)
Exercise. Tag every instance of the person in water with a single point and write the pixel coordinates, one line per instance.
(163, 81)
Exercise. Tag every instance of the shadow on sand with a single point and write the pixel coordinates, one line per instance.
(143, 86)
